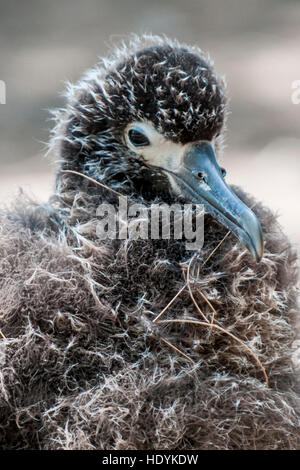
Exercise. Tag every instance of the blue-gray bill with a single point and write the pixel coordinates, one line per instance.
(201, 180)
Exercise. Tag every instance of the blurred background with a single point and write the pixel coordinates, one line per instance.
(255, 44)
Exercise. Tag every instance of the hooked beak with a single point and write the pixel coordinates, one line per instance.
(201, 181)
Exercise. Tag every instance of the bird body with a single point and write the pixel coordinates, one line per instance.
(89, 326)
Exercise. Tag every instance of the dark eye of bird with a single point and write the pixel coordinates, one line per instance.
(224, 172)
(137, 138)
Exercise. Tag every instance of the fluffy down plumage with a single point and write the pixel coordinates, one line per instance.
(84, 367)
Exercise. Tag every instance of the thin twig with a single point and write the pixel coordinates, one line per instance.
(94, 181)
(196, 305)
(176, 349)
(201, 323)
(2, 335)
(210, 305)
(217, 247)
(188, 281)
(170, 303)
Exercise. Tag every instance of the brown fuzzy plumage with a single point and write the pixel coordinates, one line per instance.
(83, 365)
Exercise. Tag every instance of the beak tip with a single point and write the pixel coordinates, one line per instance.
(257, 243)
(259, 255)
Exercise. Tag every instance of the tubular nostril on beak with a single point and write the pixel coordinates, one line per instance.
(223, 172)
(201, 176)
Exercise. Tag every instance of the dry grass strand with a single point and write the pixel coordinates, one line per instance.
(201, 323)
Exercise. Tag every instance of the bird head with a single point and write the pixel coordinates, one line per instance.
(149, 122)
